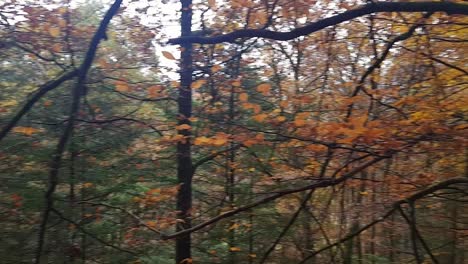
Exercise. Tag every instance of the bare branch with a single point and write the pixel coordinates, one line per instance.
(379, 7)
(416, 196)
(79, 227)
(320, 184)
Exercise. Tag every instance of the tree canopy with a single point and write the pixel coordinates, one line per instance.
(296, 131)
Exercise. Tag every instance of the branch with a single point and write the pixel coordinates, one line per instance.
(415, 234)
(416, 196)
(140, 221)
(287, 227)
(378, 62)
(84, 231)
(379, 7)
(213, 155)
(321, 184)
(77, 92)
(45, 88)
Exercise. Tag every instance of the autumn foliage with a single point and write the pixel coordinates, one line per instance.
(261, 132)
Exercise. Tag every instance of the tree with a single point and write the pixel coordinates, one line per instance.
(300, 132)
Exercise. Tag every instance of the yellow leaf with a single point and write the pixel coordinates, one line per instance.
(29, 131)
(364, 193)
(264, 88)
(62, 10)
(234, 249)
(54, 31)
(243, 97)
(168, 55)
(220, 141)
(252, 255)
(201, 141)
(8, 103)
(197, 84)
(62, 23)
(233, 226)
(183, 127)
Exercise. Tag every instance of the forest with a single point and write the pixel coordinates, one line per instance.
(233, 131)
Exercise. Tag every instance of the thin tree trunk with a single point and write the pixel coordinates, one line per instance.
(184, 155)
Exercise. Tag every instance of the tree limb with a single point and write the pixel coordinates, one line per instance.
(45, 88)
(77, 92)
(378, 7)
(412, 198)
(320, 184)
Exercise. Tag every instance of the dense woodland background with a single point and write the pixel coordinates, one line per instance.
(292, 131)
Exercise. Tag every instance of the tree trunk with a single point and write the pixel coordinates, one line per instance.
(184, 158)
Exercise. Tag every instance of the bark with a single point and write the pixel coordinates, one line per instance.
(184, 155)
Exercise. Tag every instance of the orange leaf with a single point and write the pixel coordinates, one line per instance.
(234, 249)
(243, 97)
(233, 226)
(57, 47)
(201, 141)
(280, 118)
(121, 86)
(168, 55)
(153, 91)
(260, 117)
(212, 3)
(284, 104)
(236, 83)
(264, 88)
(151, 224)
(220, 141)
(54, 31)
(197, 84)
(183, 127)
(215, 68)
(87, 185)
(29, 131)
(299, 122)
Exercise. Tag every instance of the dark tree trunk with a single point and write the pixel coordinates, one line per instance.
(184, 158)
